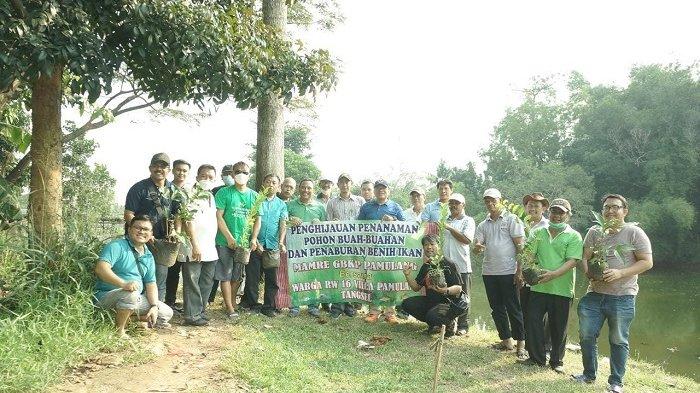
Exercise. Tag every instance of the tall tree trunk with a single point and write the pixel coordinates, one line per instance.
(46, 186)
(269, 157)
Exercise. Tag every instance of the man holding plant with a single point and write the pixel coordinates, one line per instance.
(232, 206)
(432, 209)
(613, 296)
(557, 248)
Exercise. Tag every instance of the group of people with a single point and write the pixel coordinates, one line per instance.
(532, 320)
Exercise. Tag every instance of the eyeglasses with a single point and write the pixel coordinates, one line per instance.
(243, 172)
(141, 229)
(612, 207)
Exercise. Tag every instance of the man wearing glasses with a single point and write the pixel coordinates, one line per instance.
(613, 297)
(126, 279)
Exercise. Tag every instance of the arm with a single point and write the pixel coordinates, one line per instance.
(644, 262)
(152, 296)
(458, 235)
(103, 270)
(551, 275)
(448, 291)
(410, 280)
(221, 224)
(196, 252)
(256, 231)
(283, 234)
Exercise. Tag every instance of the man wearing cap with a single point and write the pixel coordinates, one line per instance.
(432, 209)
(557, 249)
(289, 185)
(381, 208)
(227, 178)
(343, 207)
(459, 232)
(500, 235)
(154, 197)
(414, 212)
(325, 185)
(366, 190)
(181, 169)
(613, 297)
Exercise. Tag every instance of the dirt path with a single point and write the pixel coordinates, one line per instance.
(184, 358)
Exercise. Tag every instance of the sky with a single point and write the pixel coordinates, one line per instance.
(424, 81)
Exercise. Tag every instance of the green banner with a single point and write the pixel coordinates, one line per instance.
(352, 261)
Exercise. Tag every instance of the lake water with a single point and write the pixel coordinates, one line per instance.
(665, 330)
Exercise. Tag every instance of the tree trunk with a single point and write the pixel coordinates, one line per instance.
(46, 187)
(269, 157)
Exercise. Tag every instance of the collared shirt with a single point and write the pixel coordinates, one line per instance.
(313, 210)
(552, 253)
(544, 223)
(456, 251)
(235, 205)
(145, 197)
(205, 228)
(373, 210)
(272, 212)
(340, 208)
(431, 213)
(410, 215)
(497, 235)
(118, 253)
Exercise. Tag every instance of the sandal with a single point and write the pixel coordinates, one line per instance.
(499, 346)
(522, 353)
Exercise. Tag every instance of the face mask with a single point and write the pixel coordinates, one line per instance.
(241, 178)
(228, 180)
(205, 184)
(557, 226)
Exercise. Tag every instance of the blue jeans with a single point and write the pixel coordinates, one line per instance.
(593, 309)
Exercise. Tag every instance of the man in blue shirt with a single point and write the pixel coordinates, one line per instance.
(381, 208)
(126, 278)
(431, 213)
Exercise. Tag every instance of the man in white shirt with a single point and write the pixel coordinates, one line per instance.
(414, 212)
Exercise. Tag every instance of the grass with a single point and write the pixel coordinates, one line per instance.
(298, 354)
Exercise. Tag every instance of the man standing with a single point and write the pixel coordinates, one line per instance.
(613, 297)
(432, 209)
(459, 233)
(306, 209)
(557, 248)
(227, 178)
(325, 185)
(198, 270)
(289, 185)
(232, 206)
(181, 169)
(343, 207)
(270, 235)
(501, 236)
(414, 212)
(154, 197)
(366, 190)
(282, 300)
(126, 278)
(381, 208)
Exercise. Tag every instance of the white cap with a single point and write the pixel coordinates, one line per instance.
(493, 193)
(457, 197)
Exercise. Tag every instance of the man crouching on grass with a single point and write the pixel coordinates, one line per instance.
(126, 279)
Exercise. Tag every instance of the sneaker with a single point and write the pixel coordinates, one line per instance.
(197, 322)
(350, 311)
(391, 319)
(528, 362)
(371, 318)
(582, 379)
(268, 312)
(314, 312)
(294, 312)
(462, 332)
(335, 314)
(558, 369)
(614, 388)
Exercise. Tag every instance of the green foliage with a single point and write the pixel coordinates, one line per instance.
(669, 224)
(299, 166)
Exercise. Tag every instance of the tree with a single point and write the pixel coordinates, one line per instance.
(175, 51)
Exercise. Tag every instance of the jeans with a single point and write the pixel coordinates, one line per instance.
(172, 282)
(593, 309)
(505, 307)
(161, 278)
(197, 280)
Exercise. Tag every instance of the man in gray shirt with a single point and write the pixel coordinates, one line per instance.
(613, 297)
(501, 235)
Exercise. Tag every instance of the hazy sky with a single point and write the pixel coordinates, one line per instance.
(424, 81)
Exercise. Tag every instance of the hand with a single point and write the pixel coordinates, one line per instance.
(548, 276)
(407, 269)
(196, 254)
(610, 275)
(254, 245)
(130, 286)
(387, 217)
(479, 248)
(231, 243)
(295, 221)
(152, 315)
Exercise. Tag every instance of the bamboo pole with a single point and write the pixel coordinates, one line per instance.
(438, 358)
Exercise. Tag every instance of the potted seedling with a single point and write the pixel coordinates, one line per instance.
(436, 273)
(527, 258)
(242, 253)
(598, 262)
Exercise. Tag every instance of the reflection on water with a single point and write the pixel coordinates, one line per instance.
(666, 328)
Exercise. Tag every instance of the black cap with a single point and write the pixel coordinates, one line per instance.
(160, 158)
(381, 182)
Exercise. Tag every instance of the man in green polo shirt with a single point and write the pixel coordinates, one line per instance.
(558, 248)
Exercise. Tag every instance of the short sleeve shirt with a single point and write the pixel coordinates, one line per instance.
(410, 215)
(118, 253)
(272, 211)
(631, 235)
(552, 253)
(145, 198)
(373, 210)
(314, 210)
(205, 228)
(431, 213)
(339, 208)
(451, 278)
(456, 251)
(497, 235)
(235, 205)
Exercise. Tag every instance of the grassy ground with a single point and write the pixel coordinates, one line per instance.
(297, 354)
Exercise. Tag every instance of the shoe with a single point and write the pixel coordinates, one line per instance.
(350, 311)
(335, 314)
(521, 354)
(325, 307)
(294, 312)
(528, 362)
(314, 312)
(204, 317)
(163, 325)
(233, 315)
(462, 332)
(558, 369)
(391, 319)
(371, 318)
(500, 346)
(197, 322)
(614, 388)
(268, 312)
(582, 379)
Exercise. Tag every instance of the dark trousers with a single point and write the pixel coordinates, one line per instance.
(432, 314)
(196, 285)
(525, 294)
(253, 273)
(505, 307)
(214, 288)
(172, 282)
(557, 309)
(463, 320)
